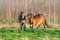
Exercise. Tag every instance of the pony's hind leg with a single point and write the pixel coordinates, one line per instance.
(38, 26)
(47, 24)
(43, 24)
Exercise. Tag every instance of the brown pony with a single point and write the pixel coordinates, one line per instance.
(36, 20)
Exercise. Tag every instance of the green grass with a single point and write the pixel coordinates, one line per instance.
(36, 34)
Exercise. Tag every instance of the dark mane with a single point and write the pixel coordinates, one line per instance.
(37, 15)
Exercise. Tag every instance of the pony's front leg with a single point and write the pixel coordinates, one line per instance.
(31, 26)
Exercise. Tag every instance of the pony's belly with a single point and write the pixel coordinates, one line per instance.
(37, 22)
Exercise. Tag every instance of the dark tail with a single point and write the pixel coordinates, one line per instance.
(46, 24)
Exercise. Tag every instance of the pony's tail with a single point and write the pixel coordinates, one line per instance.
(46, 23)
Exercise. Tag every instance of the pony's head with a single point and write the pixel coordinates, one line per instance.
(29, 16)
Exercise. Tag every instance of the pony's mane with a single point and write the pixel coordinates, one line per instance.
(37, 15)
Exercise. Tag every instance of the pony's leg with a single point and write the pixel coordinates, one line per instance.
(43, 25)
(43, 22)
(31, 26)
(47, 24)
(38, 26)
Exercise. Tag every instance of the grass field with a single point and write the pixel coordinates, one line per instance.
(29, 34)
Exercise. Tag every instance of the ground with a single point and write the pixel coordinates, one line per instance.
(36, 34)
